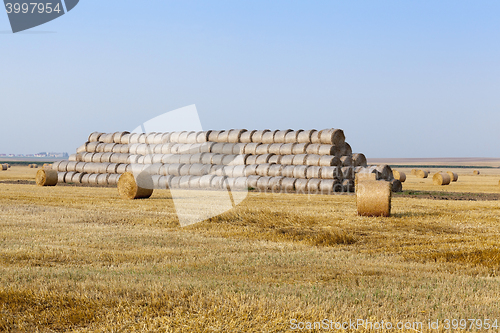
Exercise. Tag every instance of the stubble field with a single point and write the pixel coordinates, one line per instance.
(81, 259)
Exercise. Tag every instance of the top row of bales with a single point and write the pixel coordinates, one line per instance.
(327, 136)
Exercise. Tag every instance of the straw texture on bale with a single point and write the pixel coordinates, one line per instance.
(373, 198)
(301, 185)
(130, 188)
(82, 148)
(246, 137)
(213, 135)
(206, 181)
(261, 159)
(202, 137)
(312, 159)
(223, 137)
(330, 172)
(257, 135)
(275, 159)
(263, 183)
(332, 136)
(235, 135)
(275, 170)
(385, 172)
(112, 179)
(292, 136)
(329, 186)
(313, 186)
(476, 172)
(399, 175)
(60, 177)
(315, 137)
(77, 178)
(346, 160)
(239, 148)
(313, 172)
(300, 171)
(328, 160)
(262, 149)
(94, 137)
(300, 148)
(275, 148)
(305, 136)
(363, 176)
(4, 167)
(299, 159)
(279, 136)
(286, 149)
(396, 186)
(414, 172)
(288, 184)
(68, 176)
(192, 138)
(268, 137)
(441, 178)
(218, 182)
(422, 174)
(453, 176)
(46, 177)
(345, 149)
(359, 160)
(287, 159)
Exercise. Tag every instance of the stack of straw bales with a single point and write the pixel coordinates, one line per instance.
(304, 161)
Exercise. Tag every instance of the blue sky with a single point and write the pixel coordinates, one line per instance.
(403, 79)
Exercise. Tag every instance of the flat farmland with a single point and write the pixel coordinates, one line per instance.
(81, 259)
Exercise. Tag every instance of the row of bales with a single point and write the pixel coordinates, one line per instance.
(439, 178)
(306, 161)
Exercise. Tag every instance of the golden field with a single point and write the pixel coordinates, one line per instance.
(81, 259)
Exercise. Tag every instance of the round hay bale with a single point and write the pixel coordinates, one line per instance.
(113, 179)
(174, 169)
(313, 172)
(206, 181)
(299, 159)
(93, 179)
(252, 159)
(345, 149)
(229, 159)
(396, 186)
(313, 148)
(200, 169)
(156, 148)
(90, 168)
(158, 139)
(117, 149)
(117, 136)
(174, 137)
(85, 178)
(77, 178)
(71, 166)
(399, 175)
(329, 186)
(175, 182)
(286, 149)
(250, 170)
(328, 150)
(148, 159)
(46, 177)
(218, 182)
(133, 159)
(315, 137)
(184, 159)
(453, 176)
(87, 157)
(274, 148)
(192, 137)
(373, 198)
(184, 170)
(414, 172)
(332, 136)
(288, 184)
(107, 138)
(157, 158)
(196, 158)
(206, 158)
(171, 159)
(300, 148)
(202, 136)
(238, 148)
(385, 172)
(262, 149)
(106, 157)
(217, 170)
(287, 171)
(80, 166)
(121, 168)
(96, 158)
(150, 138)
(134, 138)
(144, 149)
(252, 181)
(68, 176)
(268, 137)
(274, 184)
(275, 159)
(234, 135)
(263, 170)
(72, 158)
(246, 137)
(348, 172)
(103, 167)
(240, 184)
(301, 186)
(239, 171)
(130, 187)
(165, 138)
(312, 159)
(313, 186)
(263, 183)
(305, 136)
(287, 159)
(227, 148)
(261, 159)
(329, 160)
(420, 174)
(251, 148)
(194, 182)
(359, 159)
(125, 139)
(213, 135)
(223, 137)
(218, 159)
(112, 168)
(275, 170)
(348, 185)
(346, 160)
(441, 178)
(292, 136)
(279, 136)
(62, 166)
(166, 148)
(134, 148)
(206, 147)
(92, 147)
(61, 176)
(55, 166)
(300, 171)
(82, 148)
(476, 172)
(94, 137)
(217, 148)
(258, 135)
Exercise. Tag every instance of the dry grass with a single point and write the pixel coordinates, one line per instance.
(84, 260)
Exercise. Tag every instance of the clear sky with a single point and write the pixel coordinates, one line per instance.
(401, 78)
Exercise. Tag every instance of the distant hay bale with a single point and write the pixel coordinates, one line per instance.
(385, 172)
(332, 136)
(82, 148)
(94, 137)
(68, 176)
(373, 198)
(246, 137)
(414, 172)
(46, 177)
(305, 136)
(359, 160)
(117, 136)
(422, 174)
(476, 172)
(4, 167)
(71, 166)
(268, 137)
(345, 149)
(396, 185)
(85, 178)
(131, 188)
(55, 165)
(235, 135)
(93, 179)
(441, 178)
(300, 148)
(453, 175)
(399, 175)
(275, 159)
(279, 136)
(77, 178)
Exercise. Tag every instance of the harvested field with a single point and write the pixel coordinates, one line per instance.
(85, 260)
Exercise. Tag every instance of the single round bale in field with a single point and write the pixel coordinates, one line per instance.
(396, 185)
(373, 198)
(441, 178)
(476, 172)
(421, 174)
(453, 176)
(399, 175)
(130, 187)
(46, 177)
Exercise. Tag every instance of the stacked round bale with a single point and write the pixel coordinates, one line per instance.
(307, 161)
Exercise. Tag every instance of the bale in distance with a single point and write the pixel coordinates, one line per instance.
(129, 187)
(453, 175)
(399, 175)
(396, 186)
(422, 174)
(414, 172)
(4, 167)
(373, 198)
(46, 177)
(476, 172)
(441, 178)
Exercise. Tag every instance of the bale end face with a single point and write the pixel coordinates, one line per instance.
(373, 198)
(46, 177)
(129, 186)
